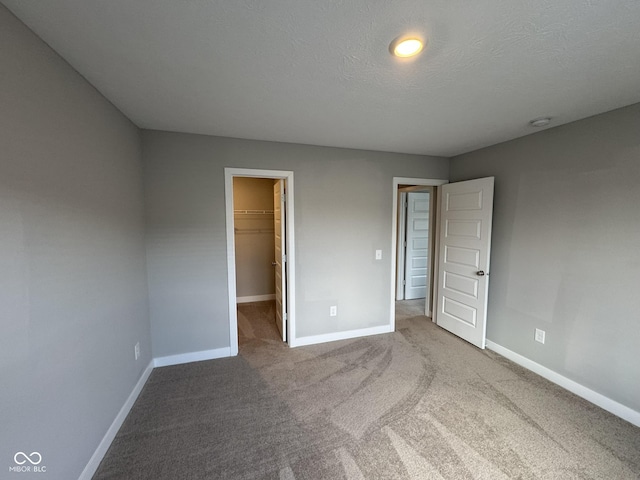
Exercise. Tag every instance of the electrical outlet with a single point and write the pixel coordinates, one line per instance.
(539, 337)
(136, 350)
(333, 311)
(378, 254)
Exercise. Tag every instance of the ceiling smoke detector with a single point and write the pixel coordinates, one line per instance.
(540, 122)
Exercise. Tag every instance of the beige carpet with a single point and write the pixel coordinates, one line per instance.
(416, 404)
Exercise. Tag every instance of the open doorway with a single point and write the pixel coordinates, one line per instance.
(463, 218)
(413, 243)
(260, 246)
(255, 246)
(254, 238)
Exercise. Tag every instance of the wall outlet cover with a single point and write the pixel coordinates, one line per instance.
(333, 311)
(540, 334)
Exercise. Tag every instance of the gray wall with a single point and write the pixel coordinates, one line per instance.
(255, 242)
(343, 210)
(73, 295)
(566, 249)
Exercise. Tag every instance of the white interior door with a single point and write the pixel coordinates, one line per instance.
(401, 244)
(466, 212)
(280, 257)
(417, 239)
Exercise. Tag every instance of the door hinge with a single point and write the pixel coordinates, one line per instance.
(404, 282)
(283, 197)
(405, 244)
(284, 316)
(284, 258)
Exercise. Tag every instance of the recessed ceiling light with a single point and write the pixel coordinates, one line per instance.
(540, 122)
(406, 46)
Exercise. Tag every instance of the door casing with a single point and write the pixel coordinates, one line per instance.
(401, 238)
(229, 174)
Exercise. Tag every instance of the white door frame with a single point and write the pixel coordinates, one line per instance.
(229, 174)
(397, 181)
(401, 236)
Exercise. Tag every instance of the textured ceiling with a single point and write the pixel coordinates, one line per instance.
(319, 72)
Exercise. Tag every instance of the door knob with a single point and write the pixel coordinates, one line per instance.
(480, 273)
(274, 264)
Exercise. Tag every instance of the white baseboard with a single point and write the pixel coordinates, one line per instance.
(256, 298)
(332, 337)
(98, 455)
(596, 398)
(192, 357)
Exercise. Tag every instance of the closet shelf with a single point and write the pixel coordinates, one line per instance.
(240, 231)
(253, 212)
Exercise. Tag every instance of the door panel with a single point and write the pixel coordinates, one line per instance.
(463, 228)
(460, 283)
(462, 256)
(280, 257)
(416, 257)
(466, 215)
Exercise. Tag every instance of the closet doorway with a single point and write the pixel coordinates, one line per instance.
(259, 214)
(253, 217)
